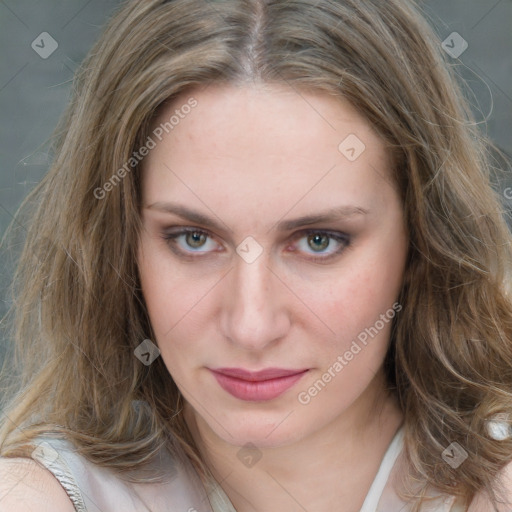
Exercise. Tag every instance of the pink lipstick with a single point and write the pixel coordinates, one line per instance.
(256, 386)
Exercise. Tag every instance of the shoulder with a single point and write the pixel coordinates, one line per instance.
(482, 503)
(27, 486)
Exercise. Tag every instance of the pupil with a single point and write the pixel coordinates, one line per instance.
(196, 239)
(318, 238)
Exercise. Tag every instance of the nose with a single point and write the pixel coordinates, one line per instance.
(254, 313)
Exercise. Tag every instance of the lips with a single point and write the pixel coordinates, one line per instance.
(257, 386)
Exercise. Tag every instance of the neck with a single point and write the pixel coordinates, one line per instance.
(335, 464)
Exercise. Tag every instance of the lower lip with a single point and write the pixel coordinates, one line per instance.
(257, 391)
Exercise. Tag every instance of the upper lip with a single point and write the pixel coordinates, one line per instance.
(266, 374)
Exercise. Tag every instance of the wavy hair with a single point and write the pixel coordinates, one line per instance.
(78, 312)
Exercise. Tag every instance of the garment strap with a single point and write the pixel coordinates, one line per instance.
(378, 484)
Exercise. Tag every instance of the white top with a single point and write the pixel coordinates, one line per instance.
(92, 488)
(379, 483)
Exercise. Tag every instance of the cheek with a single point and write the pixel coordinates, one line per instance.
(354, 298)
(352, 303)
(167, 312)
(176, 305)
(170, 295)
(158, 287)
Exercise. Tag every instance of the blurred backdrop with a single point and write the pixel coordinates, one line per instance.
(44, 41)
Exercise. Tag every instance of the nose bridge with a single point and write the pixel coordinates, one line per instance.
(253, 282)
(254, 312)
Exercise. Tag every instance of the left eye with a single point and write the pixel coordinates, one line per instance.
(319, 241)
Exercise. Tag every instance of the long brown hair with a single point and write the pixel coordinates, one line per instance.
(78, 312)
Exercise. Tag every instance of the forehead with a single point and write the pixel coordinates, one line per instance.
(266, 142)
(283, 112)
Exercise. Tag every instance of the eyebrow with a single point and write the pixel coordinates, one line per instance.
(331, 215)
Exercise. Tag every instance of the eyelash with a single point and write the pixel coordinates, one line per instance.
(342, 238)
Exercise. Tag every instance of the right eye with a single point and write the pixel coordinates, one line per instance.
(190, 241)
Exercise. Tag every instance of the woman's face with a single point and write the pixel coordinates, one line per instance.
(292, 263)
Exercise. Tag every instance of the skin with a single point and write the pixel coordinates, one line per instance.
(249, 157)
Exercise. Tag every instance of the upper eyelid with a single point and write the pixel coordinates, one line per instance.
(300, 232)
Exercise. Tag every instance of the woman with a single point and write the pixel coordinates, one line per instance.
(267, 255)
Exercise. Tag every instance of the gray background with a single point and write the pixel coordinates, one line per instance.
(34, 91)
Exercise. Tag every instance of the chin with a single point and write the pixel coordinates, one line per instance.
(262, 430)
